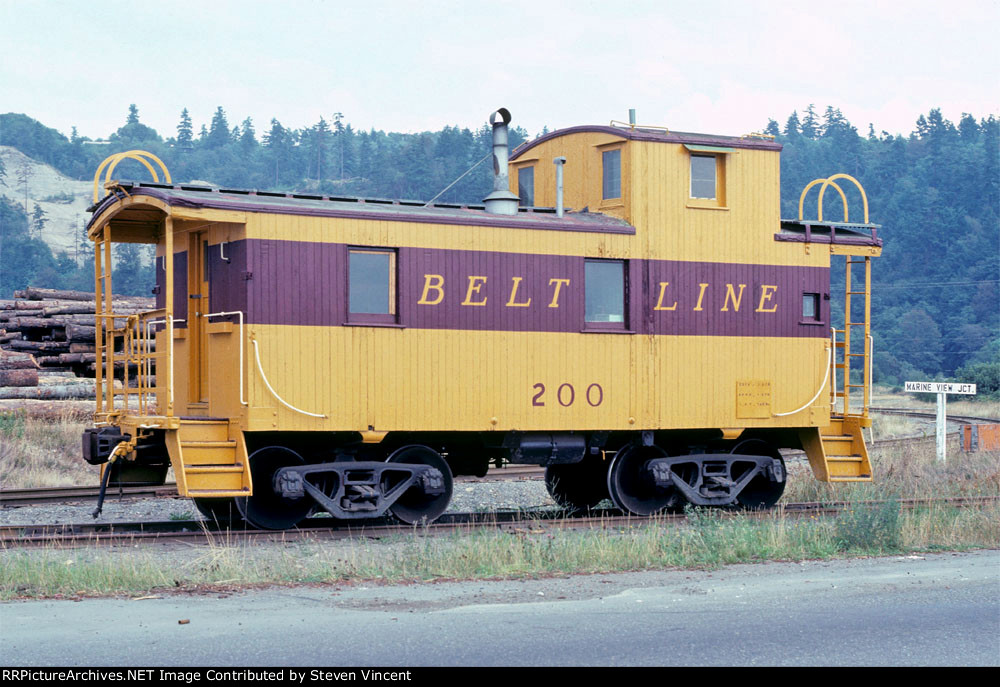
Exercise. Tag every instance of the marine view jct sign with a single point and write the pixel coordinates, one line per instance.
(941, 388)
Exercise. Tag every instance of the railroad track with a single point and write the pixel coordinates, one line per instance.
(916, 412)
(521, 522)
(11, 498)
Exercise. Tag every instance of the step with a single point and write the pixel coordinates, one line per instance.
(213, 479)
(201, 469)
(204, 430)
(229, 444)
(216, 493)
(209, 452)
(835, 438)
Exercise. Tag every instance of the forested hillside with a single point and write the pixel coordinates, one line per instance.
(936, 192)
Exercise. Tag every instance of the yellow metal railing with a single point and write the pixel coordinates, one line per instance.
(865, 351)
(129, 341)
(830, 181)
(112, 161)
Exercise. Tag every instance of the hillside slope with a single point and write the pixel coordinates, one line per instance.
(63, 200)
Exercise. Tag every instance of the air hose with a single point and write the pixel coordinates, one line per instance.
(107, 477)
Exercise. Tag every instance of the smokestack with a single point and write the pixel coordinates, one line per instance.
(559, 162)
(501, 201)
(631, 116)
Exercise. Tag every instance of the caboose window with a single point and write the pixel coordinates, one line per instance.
(372, 282)
(612, 174)
(526, 186)
(810, 307)
(703, 176)
(605, 293)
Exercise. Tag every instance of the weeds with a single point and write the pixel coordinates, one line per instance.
(709, 539)
(875, 528)
(42, 453)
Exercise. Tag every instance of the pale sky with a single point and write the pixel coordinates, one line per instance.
(712, 66)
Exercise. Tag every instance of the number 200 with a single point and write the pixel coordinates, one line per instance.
(566, 395)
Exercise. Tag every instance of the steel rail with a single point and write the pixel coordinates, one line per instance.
(13, 498)
(519, 521)
(10, 498)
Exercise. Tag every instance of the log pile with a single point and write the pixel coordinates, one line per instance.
(47, 348)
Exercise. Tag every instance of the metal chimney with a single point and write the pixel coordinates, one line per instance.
(631, 116)
(501, 201)
(559, 162)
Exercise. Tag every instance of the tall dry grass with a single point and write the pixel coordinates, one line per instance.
(42, 452)
(907, 472)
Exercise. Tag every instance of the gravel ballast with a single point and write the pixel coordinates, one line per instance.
(467, 496)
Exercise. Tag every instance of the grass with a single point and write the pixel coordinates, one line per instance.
(709, 539)
(892, 426)
(906, 473)
(42, 453)
(957, 405)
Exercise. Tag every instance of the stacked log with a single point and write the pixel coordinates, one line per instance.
(47, 345)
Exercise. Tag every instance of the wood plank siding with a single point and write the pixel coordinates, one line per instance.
(489, 331)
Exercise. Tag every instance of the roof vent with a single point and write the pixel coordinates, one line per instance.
(501, 201)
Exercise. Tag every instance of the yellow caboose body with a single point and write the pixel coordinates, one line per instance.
(644, 325)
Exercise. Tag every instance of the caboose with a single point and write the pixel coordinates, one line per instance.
(626, 308)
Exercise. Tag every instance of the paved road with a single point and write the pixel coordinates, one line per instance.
(934, 610)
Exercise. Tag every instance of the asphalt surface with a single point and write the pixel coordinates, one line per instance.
(941, 609)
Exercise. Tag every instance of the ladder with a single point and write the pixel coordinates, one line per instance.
(854, 348)
(840, 455)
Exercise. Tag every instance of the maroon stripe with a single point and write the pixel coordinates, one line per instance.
(303, 283)
(227, 290)
(180, 287)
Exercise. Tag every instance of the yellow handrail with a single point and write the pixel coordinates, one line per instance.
(829, 181)
(812, 183)
(139, 155)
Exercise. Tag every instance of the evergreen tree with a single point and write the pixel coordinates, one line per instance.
(792, 126)
(185, 133)
(24, 174)
(338, 129)
(134, 132)
(319, 141)
(218, 134)
(810, 128)
(248, 138)
(278, 143)
(38, 219)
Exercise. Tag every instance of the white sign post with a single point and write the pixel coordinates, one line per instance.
(942, 389)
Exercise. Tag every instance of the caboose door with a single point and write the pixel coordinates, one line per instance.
(198, 307)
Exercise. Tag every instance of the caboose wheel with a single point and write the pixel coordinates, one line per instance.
(414, 505)
(222, 512)
(578, 486)
(761, 492)
(267, 509)
(632, 488)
